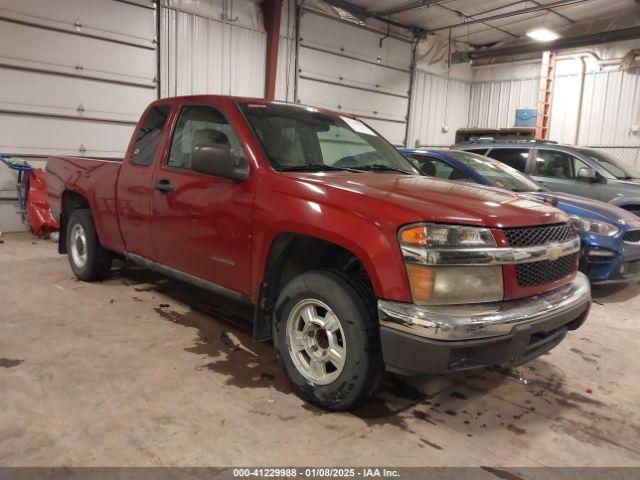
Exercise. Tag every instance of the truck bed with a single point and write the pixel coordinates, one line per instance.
(95, 179)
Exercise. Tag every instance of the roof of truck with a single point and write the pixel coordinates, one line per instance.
(230, 99)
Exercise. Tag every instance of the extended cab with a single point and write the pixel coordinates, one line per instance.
(353, 262)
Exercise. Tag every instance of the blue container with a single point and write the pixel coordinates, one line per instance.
(526, 117)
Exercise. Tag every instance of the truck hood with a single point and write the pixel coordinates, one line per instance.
(419, 198)
(587, 207)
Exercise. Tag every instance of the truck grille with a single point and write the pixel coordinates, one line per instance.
(530, 236)
(545, 271)
(632, 236)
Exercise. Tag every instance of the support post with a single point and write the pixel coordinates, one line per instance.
(271, 11)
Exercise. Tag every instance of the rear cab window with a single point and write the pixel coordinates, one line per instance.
(144, 150)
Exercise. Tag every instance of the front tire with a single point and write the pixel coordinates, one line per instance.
(88, 259)
(327, 340)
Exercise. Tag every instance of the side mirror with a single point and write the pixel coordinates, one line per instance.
(218, 161)
(586, 174)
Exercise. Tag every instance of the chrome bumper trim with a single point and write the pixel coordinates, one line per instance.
(468, 322)
(489, 256)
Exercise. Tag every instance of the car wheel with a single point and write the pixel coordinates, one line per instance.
(327, 340)
(87, 257)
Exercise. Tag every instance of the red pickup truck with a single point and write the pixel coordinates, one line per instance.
(353, 262)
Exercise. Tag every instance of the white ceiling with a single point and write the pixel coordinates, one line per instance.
(454, 12)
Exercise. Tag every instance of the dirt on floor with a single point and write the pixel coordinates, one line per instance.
(143, 370)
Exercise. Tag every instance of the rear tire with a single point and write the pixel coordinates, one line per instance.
(88, 259)
(327, 340)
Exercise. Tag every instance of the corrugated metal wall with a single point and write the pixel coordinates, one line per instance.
(600, 110)
(496, 93)
(439, 106)
(212, 47)
(606, 112)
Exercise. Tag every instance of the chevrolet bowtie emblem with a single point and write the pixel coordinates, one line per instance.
(554, 252)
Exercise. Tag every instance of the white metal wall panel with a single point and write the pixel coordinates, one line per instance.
(603, 116)
(93, 62)
(497, 91)
(201, 55)
(610, 106)
(75, 75)
(439, 106)
(53, 51)
(600, 114)
(70, 96)
(23, 135)
(100, 18)
(565, 102)
(349, 39)
(494, 103)
(351, 70)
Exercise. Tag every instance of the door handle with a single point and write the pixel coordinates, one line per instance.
(163, 186)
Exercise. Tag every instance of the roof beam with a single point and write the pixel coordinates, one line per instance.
(522, 11)
(554, 12)
(409, 7)
(561, 43)
(473, 17)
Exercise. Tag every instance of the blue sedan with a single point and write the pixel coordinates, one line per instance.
(610, 235)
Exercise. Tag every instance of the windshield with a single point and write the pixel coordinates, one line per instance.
(498, 174)
(611, 165)
(302, 138)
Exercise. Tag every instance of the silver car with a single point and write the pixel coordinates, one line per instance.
(564, 168)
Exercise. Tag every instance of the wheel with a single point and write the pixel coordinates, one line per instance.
(327, 340)
(87, 257)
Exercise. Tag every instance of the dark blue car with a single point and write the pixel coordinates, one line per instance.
(610, 235)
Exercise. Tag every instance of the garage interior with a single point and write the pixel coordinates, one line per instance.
(136, 370)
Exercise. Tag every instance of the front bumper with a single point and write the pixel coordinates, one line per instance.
(618, 267)
(420, 339)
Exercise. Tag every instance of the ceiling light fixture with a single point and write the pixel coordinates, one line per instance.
(542, 35)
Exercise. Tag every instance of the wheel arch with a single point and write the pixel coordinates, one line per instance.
(291, 254)
(71, 200)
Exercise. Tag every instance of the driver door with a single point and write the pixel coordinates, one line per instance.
(201, 223)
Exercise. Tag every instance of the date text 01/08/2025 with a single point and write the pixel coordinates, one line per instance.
(316, 472)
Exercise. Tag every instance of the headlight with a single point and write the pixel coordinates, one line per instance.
(448, 285)
(594, 226)
(455, 285)
(446, 236)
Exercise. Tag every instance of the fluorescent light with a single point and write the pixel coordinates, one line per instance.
(542, 35)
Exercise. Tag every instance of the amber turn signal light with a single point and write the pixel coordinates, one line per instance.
(414, 236)
(421, 282)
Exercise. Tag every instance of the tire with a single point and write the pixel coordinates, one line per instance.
(87, 257)
(336, 384)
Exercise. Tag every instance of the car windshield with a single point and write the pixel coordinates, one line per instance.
(302, 138)
(611, 165)
(498, 174)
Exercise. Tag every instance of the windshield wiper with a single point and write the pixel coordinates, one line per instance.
(315, 167)
(378, 167)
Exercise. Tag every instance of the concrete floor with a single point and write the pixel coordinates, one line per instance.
(132, 371)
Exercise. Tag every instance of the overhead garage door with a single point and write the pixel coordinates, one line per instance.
(355, 70)
(74, 75)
